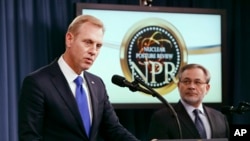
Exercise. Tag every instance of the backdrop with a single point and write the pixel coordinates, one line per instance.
(32, 35)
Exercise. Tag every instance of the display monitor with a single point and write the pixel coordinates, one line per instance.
(153, 43)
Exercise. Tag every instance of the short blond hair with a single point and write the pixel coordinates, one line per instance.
(81, 19)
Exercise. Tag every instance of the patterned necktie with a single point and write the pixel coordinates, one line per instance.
(199, 124)
(82, 103)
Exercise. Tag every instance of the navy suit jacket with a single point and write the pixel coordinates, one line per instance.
(163, 124)
(48, 110)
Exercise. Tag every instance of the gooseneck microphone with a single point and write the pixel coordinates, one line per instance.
(229, 110)
(244, 103)
(163, 100)
(133, 86)
(240, 109)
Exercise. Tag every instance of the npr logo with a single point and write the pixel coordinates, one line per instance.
(240, 132)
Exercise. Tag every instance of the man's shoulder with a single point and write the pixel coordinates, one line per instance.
(92, 76)
(213, 111)
(163, 111)
(44, 71)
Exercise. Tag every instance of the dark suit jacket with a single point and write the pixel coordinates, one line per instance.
(163, 124)
(48, 110)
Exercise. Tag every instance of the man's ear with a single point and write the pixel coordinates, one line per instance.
(178, 83)
(208, 87)
(68, 38)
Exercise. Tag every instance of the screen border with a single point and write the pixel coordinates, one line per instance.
(221, 12)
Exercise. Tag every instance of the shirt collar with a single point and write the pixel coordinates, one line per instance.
(68, 72)
(190, 108)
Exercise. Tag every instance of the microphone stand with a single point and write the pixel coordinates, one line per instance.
(163, 100)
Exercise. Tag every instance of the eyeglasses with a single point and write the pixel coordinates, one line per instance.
(197, 83)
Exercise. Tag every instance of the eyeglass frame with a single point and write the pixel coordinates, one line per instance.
(196, 82)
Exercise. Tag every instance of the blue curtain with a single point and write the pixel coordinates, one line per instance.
(9, 87)
(32, 35)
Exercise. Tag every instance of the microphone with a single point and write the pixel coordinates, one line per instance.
(238, 110)
(134, 86)
(229, 110)
(122, 82)
(163, 100)
(244, 103)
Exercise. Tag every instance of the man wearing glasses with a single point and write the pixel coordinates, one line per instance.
(197, 121)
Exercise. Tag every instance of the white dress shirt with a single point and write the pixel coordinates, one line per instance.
(70, 76)
(202, 115)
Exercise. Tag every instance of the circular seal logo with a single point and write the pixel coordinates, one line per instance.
(153, 50)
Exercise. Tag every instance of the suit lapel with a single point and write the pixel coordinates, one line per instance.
(187, 124)
(210, 117)
(61, 84)
(94, 101)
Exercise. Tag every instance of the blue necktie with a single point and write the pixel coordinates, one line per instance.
(199, 124)
(82, 103)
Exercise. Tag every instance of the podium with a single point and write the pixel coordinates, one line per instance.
(215, 139)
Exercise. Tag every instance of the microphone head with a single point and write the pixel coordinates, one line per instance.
(243, 103)
(227, 109)
(118, 80)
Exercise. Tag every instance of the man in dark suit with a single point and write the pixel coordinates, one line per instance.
(48, 109)
(193, 85)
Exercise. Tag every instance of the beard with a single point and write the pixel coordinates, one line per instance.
(192, 100)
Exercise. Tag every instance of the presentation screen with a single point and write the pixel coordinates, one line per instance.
(153, 43)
